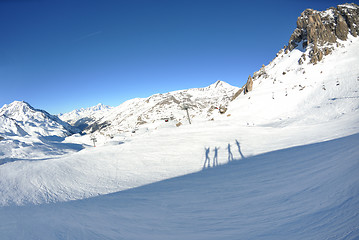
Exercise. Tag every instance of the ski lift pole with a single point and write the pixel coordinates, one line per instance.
(185, 106)
(94, 141)
(189, 119)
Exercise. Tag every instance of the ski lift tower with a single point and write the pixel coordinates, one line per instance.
(185, 106)
(93, 138)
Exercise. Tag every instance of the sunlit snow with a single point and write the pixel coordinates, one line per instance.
(281, 163)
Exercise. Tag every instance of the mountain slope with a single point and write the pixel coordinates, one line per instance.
(33, 121)
(292, 90)
(28, 133)
(82, 118)
(306, 192)
(152, 111)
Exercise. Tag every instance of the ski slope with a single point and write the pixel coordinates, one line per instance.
(281, 163)
(306, 192)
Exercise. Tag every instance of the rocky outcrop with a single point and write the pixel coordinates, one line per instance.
(238, 93)
(316, 35)
(260, 72)
(341, 30)
(320, 29)
(249, 85)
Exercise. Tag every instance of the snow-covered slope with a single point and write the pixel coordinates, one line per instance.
(9, 127)
(307, 192)
(28, 133)
(151, 112)
(281, 163)
(82, 118)
(32, 121)
(288, 92)
(307, 104)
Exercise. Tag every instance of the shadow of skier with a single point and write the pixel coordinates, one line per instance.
(230, 155)
(215, 157)
(239, 150)
(207, 160)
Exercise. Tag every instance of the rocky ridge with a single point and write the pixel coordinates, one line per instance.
(322, 30)
(167, 108)
(316, 36)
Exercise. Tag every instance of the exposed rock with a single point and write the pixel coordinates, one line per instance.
(302, 59)
(222, 109)
(341, 30)
(350, 12)
(95, 126)
(140, 121)
(315, 55)
(317, 29)
(246, 88)
(249, 85)
(261, 72)
(327, 51)
(237, 93)
(318, 32)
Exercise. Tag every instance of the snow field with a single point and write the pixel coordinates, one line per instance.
(306, 192)
(149, 158)
(306, 101)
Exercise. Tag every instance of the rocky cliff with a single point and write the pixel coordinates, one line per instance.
(322, 30)
(316, 36)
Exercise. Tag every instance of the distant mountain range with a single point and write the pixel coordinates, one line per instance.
(202, 103)
(81, 118)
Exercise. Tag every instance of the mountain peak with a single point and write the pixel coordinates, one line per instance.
(16, 107)
(319, 30)
(35, 120)
(220, 84)
(99, 106)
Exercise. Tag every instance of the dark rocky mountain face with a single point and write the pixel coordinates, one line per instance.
(320, 30)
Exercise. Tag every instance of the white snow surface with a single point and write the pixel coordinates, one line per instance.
(281, 163)
(150, 113)
(20, 115)
(29, 133)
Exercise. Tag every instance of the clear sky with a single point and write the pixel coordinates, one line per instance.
(61, 55)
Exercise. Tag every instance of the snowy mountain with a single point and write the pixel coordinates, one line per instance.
(294, 88)
(280, 163)
(19, 117)
(26, 132)
(154, 111)
(321, 31)
(82, 118)
(9, 127)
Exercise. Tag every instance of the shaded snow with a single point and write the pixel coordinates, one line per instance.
(306, 192)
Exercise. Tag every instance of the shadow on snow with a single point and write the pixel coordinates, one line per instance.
(207, 161)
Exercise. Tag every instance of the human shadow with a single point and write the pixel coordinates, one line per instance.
(207, 160)
(230, 155)
(215, 157)
(239, 150)
(215, 160)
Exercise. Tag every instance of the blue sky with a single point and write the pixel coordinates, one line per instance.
(61, 55)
